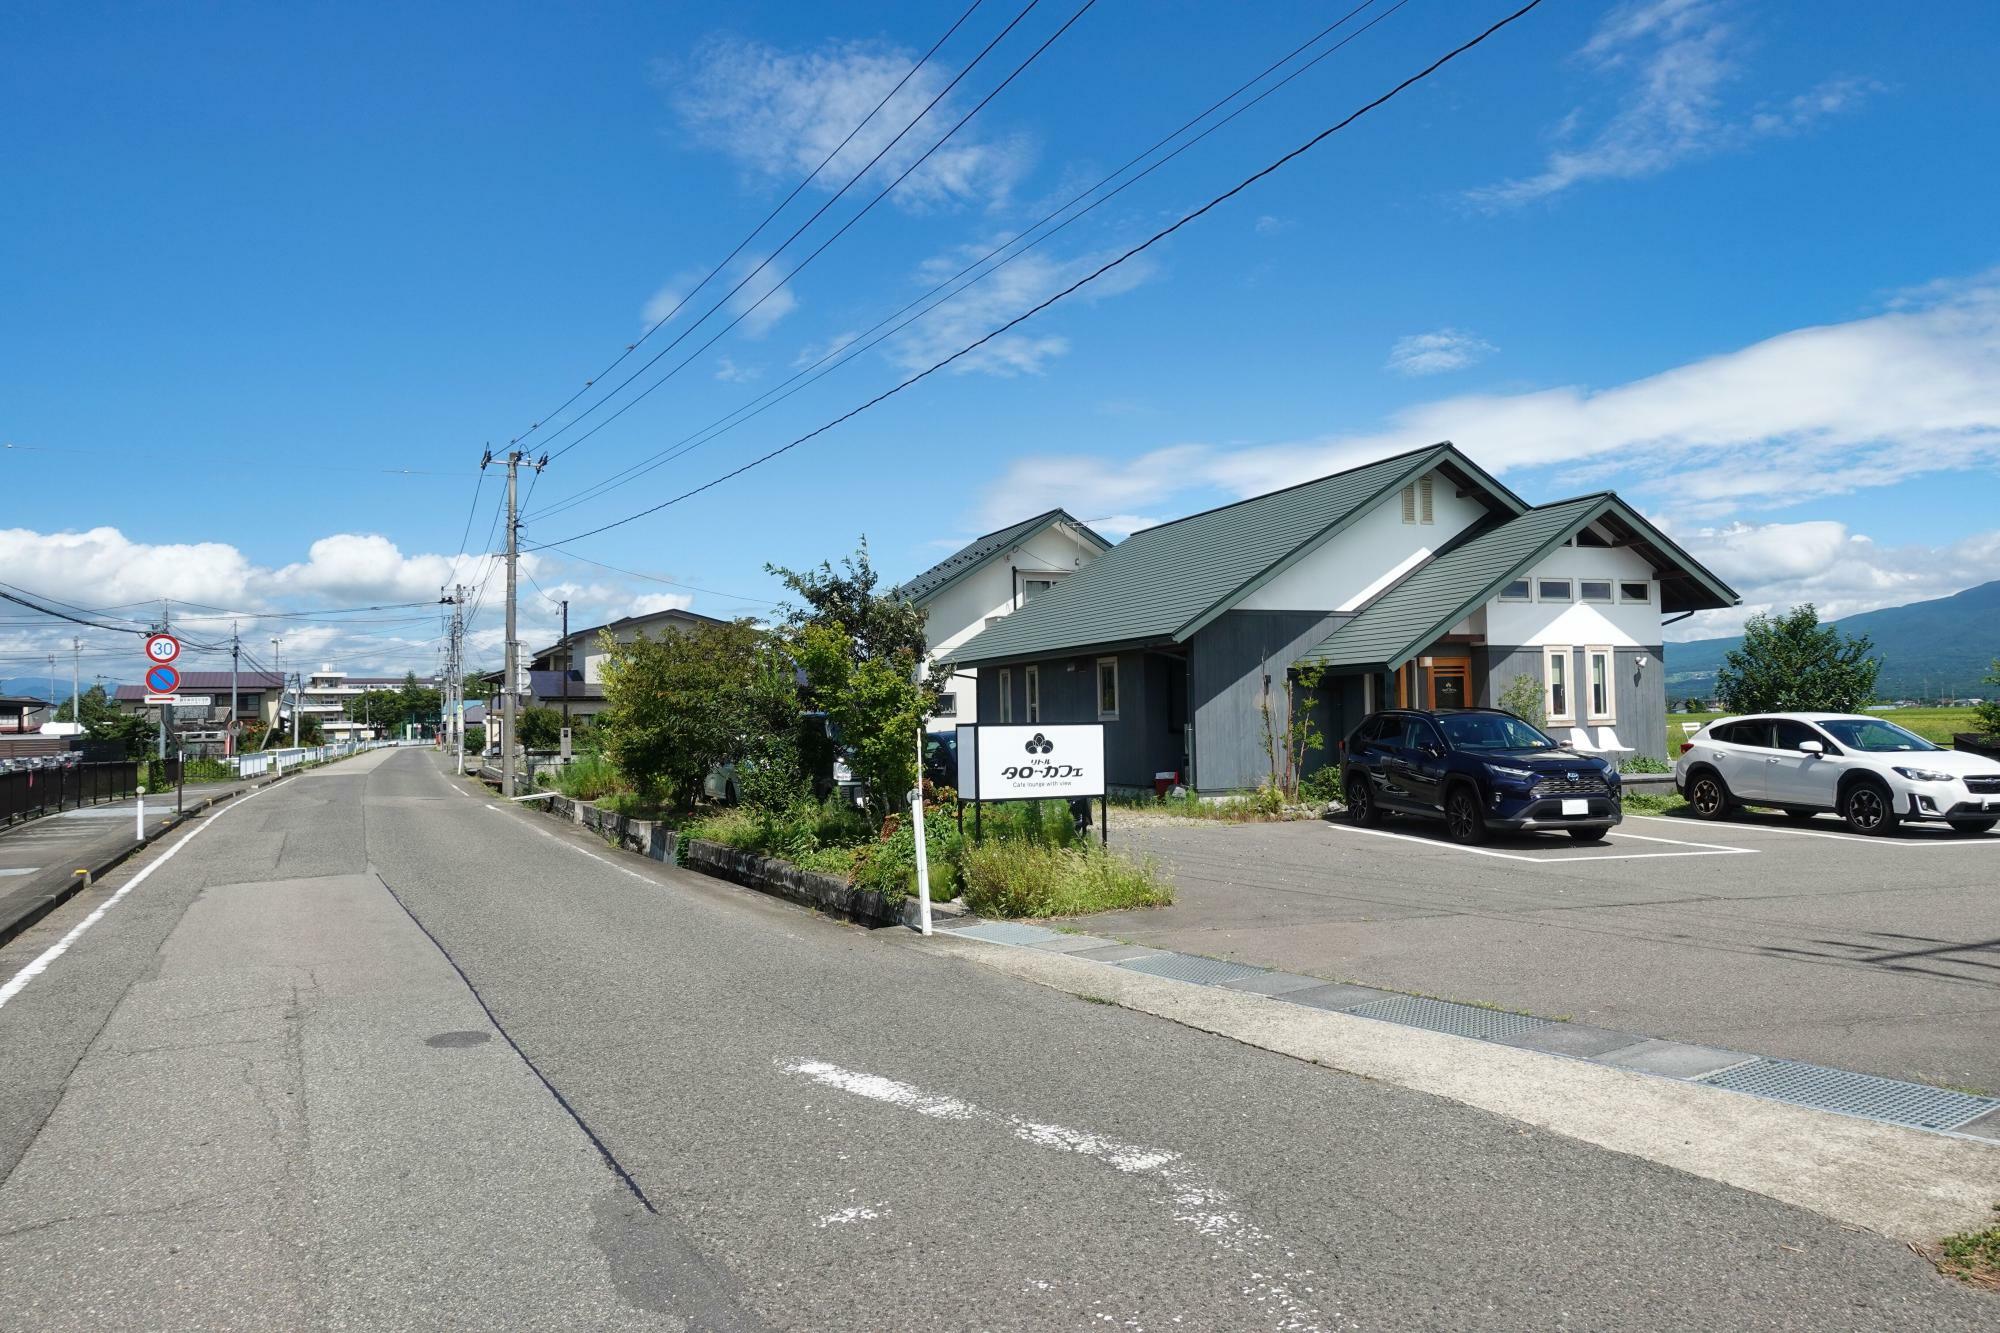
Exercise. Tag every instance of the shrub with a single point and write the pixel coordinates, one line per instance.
(1523, 698)
(1644, 763)
(585, 778)
(1322, 785)
(1012, 878)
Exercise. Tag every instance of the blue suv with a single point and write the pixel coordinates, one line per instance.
(1476, 769)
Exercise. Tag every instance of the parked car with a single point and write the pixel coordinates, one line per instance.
(941, 758)
(1871, 772)
(1477, 770)
(835, 773)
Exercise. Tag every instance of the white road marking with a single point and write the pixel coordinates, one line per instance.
(1938, 839)
(1575, 855)
(24, 870)
(581, 851)
(859, 1213)
(60, 947)
(1191, 1200)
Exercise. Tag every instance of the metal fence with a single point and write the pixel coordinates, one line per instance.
(284, 761)
(36, 791)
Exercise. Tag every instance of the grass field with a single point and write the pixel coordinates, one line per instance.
(1933, 724)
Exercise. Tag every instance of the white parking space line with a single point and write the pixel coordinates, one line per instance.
(1928, 839)
(1573, 854)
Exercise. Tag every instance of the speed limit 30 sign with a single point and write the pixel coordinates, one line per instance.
(162, 648)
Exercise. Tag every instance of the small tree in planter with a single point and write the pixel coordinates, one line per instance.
(1291, 731)
(1523, 698)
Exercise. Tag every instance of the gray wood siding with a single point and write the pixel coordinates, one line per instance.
(1640, 693)
(1227, 662)
(1136, 745)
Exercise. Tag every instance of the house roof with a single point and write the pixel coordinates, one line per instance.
(204, 681)
(1165, 583)
(1409, 616)
(625, 622)
(979, 550)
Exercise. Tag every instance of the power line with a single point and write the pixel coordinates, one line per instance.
(869, 338)
(758, 230)
(841, 231)
(671, 583)
(1088, 278)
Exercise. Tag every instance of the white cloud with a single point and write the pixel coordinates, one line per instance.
(1001, 295)
(779, 113)
(753, 289)
(1437, 351)
(1269, 224)
(1814, 412)
(1672, 62)
(729, 372)
(646, 603)
(1777, 566)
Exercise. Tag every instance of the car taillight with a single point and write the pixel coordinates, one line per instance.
(1686, 746)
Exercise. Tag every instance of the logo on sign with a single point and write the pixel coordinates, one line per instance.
(163, 680)
(1040, 744)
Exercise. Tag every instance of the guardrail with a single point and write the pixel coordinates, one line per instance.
(284, 761)
(39, 790)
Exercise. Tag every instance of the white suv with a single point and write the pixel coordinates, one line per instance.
(1869, 771)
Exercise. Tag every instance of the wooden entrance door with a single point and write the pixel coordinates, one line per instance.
(1451, 682)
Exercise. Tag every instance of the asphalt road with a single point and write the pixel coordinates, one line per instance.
(368, 1052)
(1802, 942)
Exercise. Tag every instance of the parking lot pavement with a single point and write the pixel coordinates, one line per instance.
(40, 858)
(1804, 942)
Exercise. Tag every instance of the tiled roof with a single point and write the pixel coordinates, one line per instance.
(976, 552)
(1165, 583)
(201, 682)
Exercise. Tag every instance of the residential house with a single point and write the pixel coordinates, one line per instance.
(22, 714)
(1415, 580)
(257, 696)
(988, 578)
(569, 673)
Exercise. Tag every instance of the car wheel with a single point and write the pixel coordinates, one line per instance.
(1361, 807)
(1869, 809)
(1588, 834)
(1464, 822)
(1968, 828)
(1708, 797)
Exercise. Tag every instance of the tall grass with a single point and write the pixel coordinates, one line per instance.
(587, 777)
(1011, 878)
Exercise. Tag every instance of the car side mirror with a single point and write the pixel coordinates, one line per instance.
(1812, 747)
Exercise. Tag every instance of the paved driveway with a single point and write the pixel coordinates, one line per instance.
(1812, 944)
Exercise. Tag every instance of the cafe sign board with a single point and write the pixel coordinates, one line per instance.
(1030, 763)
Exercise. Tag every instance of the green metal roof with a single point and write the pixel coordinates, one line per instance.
(975, 553)
(1410, 616)
(1165, 583)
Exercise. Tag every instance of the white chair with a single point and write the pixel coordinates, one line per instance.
(1609, 744)
(1579, 740)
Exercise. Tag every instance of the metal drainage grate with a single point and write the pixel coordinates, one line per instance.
(1462, 1020)
(1188, 967)
(1008, 932)
(1876, 1098)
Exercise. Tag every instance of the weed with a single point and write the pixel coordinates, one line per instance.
(1022, 879)
(1971, 1256)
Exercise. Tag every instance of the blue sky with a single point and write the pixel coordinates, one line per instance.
(275, 276)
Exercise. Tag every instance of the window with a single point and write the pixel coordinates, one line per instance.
(1517, 591)
(1791, 735)
(1636, 591)
(1006, 694)
(1410, 503)
(1107, 689)
(1032, 587)
(1553, 590)
(1597, 662)
(1595, 590)
(1555, 684)
(1032, 681)
(947, 706)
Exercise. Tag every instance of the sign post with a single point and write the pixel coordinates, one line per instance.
(1032, 763)
(923, 848)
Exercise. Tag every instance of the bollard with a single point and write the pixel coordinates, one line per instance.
(86, 875)
(140, 833)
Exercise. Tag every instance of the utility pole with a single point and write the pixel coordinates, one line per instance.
(278, 669)
(509, 701)
(76, 683)
(52, 687)
(166, 710)
(568, 656)
(235, 652)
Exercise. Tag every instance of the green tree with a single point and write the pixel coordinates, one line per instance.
(540, 727)
(860, 650)
(783, 747)
(1692, 705)
(1988, 711)
(677, 705)
(1791, 662)
(105, 721)
(1288, 742)
(1523, 698)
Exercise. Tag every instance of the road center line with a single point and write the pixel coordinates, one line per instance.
(60, 947)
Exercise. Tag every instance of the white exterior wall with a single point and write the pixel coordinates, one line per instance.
(1372, 553)
(1579, 623)
(978, 598)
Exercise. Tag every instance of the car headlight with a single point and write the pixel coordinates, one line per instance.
(1926, 775)
(1512, 774)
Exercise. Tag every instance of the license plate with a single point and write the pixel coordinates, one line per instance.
(1578, 807)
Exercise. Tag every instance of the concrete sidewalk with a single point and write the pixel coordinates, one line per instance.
(39, 859)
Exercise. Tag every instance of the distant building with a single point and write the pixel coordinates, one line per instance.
(570, 671)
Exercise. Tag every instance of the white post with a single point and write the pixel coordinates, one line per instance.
(923, 851)
(140, 832)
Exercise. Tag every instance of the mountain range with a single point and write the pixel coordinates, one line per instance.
(1934, 649)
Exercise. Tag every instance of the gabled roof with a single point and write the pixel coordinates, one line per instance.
(676, 614)
(979, 550)
(1406, 619)
(1165, 583)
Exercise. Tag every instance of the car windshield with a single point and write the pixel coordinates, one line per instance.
(1872, 734)
(1492, 731)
